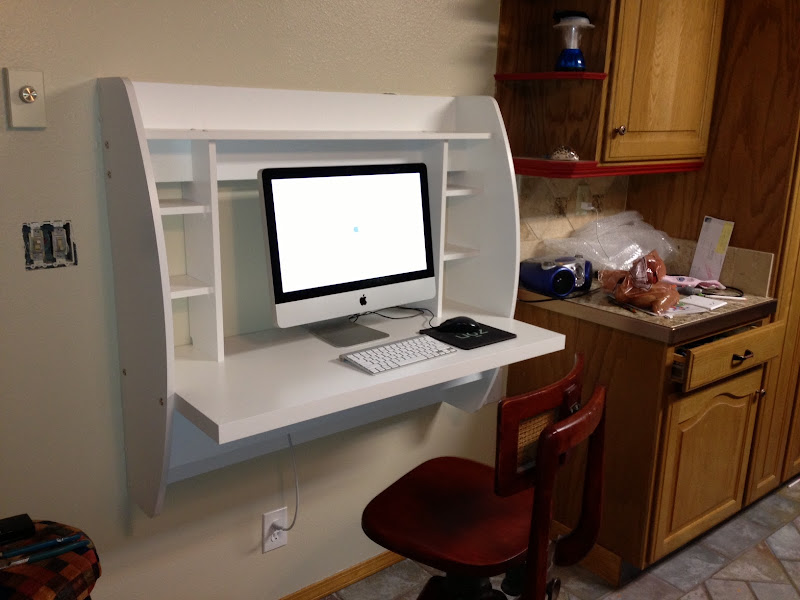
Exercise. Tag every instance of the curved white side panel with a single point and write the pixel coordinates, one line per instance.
(141, 291)
(491, 221)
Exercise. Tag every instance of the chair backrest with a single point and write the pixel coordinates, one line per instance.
(520, 422)
(551, 421)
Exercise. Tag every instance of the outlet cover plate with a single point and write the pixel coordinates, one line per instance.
(271, 539)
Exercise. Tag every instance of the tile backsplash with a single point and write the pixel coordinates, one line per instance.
(554, 208)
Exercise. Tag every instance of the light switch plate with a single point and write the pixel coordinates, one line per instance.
(23, 114)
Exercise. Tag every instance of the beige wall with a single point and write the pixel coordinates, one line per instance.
(60, 420)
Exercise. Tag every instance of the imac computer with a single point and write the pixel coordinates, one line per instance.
(343, 240)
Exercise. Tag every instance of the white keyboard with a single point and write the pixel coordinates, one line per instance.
(397, 354)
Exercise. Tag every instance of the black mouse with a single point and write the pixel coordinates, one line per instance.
(459, 325)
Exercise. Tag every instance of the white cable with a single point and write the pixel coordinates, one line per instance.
(296, 489)
(597, 231)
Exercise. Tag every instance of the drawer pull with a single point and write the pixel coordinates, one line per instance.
(740, 358)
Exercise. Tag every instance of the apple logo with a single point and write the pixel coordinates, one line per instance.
(363, 300)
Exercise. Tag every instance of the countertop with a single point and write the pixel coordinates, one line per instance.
(597, 308)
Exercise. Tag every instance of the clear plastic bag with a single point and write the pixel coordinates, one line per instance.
(641, 285)
(613, 242)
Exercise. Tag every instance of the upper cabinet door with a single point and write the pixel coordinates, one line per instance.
(662, 80)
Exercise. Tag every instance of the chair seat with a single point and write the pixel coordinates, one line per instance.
(445, 514)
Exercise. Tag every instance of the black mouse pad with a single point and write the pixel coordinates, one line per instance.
(467, 341)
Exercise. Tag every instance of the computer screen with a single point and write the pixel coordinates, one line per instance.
(343, 240)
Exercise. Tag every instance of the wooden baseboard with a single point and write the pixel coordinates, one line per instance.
(334, 583)
(600, 561)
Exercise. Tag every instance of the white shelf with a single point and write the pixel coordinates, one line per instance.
(239, 134)
(181, 207)
(460, 190)
(194, 408)
(454, 252)
(185, 286)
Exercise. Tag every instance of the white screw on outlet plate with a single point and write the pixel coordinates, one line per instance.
(272, 538)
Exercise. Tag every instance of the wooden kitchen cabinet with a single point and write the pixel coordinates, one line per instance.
(707, 439)
(662, 79)
(792, 464)
(750, 177)
(651, 74)
(790, 365)
(680, 420)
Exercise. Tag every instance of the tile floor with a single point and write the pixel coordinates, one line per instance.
(753, 556)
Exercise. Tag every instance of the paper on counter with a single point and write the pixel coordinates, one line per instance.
(681, 309)
(703, 302)
(711, 248)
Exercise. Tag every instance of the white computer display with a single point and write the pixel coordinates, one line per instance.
(344, 240)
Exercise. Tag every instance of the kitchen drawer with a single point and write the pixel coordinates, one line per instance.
(713, 358)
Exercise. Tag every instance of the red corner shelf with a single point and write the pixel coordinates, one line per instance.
(549, 75)
(578, 169)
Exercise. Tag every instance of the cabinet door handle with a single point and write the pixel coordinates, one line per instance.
(740, 358)
(621, 130)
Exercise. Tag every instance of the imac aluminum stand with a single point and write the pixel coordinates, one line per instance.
(341, 333)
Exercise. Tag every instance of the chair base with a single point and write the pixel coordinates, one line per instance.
(452, 587)
(514, 581)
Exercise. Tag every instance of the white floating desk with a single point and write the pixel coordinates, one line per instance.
(169, 151)
(279, 378)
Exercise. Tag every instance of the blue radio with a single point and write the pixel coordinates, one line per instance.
(556, 276)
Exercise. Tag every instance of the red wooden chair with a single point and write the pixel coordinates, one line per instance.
(474, 522)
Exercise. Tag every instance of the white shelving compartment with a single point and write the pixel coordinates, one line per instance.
(207, 380)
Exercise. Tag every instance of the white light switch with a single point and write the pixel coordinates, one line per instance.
(25, 98)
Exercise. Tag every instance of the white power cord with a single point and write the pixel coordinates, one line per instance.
(296, 490)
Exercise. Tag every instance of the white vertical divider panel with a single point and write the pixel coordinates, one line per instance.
(435, 158)
(203, 252)
(489, 279)
(141, 294)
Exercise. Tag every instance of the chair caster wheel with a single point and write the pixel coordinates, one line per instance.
(553, 588)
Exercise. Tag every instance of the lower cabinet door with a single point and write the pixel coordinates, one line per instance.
(792, 465)
(707, 447)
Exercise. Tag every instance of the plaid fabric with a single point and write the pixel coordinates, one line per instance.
(69, 576)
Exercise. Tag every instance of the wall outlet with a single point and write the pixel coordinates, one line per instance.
(584, 203)
(272, 538)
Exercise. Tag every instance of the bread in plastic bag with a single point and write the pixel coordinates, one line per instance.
(641, 285)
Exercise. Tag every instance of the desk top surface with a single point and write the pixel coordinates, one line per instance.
(280, 377)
